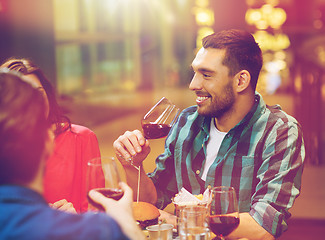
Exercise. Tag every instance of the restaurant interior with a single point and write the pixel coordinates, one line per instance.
(111, 60)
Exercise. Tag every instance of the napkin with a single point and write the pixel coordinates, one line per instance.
(184, 197)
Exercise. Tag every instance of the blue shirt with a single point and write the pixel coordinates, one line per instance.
(24, 214)
(261, 157)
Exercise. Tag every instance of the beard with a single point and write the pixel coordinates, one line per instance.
(219, 105)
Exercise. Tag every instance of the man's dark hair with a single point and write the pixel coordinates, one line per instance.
(242, 52)
(23, 129)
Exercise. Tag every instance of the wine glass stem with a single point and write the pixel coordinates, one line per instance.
(130, 160)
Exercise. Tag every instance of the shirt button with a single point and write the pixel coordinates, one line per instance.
(197, 172)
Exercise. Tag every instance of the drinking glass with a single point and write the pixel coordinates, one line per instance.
(103, 176)
(193, 223)
(160, 232)
(223, 214)
(160, 118)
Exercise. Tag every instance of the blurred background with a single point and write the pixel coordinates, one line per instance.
(111, 60)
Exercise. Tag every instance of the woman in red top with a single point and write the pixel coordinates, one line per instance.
(66, 169)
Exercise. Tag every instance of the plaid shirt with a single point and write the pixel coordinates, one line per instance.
(261, 157)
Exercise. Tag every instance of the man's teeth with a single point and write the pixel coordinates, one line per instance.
(202, 98)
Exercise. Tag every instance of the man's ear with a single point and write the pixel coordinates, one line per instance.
(243, 79)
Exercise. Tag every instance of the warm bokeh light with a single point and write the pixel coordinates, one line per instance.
(274, 42)
(201, 33)
(204, 17)
(265, 17)
(298, 83)
(202, 3)
(320, 50)
(268, 20)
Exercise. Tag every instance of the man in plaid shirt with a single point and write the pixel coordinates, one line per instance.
(231, 138)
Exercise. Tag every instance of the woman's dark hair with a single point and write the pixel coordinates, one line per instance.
(26, 66)
(23, 129)
(242, 52)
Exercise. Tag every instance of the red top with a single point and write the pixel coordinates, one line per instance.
(66, 169)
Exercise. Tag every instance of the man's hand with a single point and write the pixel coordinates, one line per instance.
(168, 218)
(131, 145)
(121, 211)
(63, 205)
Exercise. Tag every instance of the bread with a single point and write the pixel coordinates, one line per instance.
(145, 213)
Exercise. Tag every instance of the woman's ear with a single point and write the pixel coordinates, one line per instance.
(243, 78)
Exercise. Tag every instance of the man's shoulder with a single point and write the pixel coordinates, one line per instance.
(276, 114)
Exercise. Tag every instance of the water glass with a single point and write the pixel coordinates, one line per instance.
(193, 223)
(160, 232)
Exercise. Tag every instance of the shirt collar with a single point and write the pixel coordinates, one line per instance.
(258, 108)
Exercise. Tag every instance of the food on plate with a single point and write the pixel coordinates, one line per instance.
(200, 196)
(145, 214)
(185, 199)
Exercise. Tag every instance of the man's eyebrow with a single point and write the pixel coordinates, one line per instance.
(205, 70)
(202, 69)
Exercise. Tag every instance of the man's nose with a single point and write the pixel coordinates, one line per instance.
(196, 83)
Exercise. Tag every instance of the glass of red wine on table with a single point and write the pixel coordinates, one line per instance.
(223, 214)
(103, 176)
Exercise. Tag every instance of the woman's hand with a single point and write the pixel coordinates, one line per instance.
(121, 211)
(63, 205)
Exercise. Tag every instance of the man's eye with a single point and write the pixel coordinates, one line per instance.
(206, 75)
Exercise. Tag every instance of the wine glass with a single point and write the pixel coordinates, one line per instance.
(160, 118)
(158, 121)
(103, 176)
(223, 214)
(156, 124)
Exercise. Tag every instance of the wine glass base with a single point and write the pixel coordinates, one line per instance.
(218, 238)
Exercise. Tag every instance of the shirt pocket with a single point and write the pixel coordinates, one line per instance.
(244, 170)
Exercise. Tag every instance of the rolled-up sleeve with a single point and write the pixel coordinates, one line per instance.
(279, 177)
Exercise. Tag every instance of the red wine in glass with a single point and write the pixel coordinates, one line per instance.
(154, 131)
(222, 225)
(224, 214)
(113, 193)
(159, 120)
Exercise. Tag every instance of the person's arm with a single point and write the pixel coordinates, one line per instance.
(121, 211)
(249, 229)
(280, 181)
(147, 188)
(133, 145)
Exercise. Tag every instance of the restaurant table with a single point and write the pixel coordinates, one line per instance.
(175, 235)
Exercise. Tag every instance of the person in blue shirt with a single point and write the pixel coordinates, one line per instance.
(26, 141)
